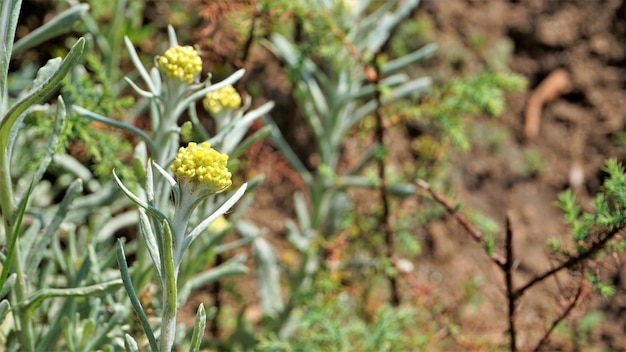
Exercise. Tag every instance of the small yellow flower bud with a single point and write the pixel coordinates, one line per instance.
(225, 98)
(203, 165)
(219, 225)
(180, 62)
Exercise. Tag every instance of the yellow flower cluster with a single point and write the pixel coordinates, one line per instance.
(180, 62)
(204, 165)
(225, 98)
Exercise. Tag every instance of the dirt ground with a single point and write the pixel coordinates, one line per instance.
(580, 127)
(578, 48)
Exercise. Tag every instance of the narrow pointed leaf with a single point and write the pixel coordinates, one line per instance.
(130, 345)
(268, 277)
(40, 92)
(16, 232)
(134, 300)
(198, 329)
(219, 212)
(5, 307)
(34, 300)
(53, 142)
(52, 228)
(60, 24)
(8, 285)
(151, 241)
(9, 14)
(184, 103)
(126, 127)
(152, 210)
(139, 65)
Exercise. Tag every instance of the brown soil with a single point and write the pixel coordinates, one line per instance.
(578, 130)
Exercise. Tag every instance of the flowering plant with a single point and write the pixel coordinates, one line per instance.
(198, 184)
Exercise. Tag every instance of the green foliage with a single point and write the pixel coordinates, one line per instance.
(533, 162)
(103, 148)
(610, 206)
(572, 214)
(329, 323)
(554, 244)
(408, 244)
(605, 289)
(448, 106)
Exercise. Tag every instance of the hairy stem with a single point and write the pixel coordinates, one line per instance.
(169, 292)
(25, 329)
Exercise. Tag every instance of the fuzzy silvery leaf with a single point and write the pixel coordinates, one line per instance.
(404, 61)
(198, 329)
(247, 229)
(9, 14)
(138, 201)
(219, 212)
(278, 138)
(130, 345)
(130, 290)
(5, 307)
(231, 136)
(285, 49)
(379, 35)
(167, 177)
(302, 212)
(59, 122)
(114, 123)
(184, 103)
(52, 228)
(414, 87)
(36, 298)
(296, 237)
(151, 240)
(268, 277)
(139, 66)
(233, 267)
(42, 89)
(402, 190)
(135, 87)
(171, 34)
(60, 24)
(8, 284)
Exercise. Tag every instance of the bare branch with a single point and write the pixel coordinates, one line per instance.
(462, 220)
(577, 298)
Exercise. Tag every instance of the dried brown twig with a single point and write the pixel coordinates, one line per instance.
(575, 301)
(572, 262)
(506, 265)
(462, 220)
(381, 129)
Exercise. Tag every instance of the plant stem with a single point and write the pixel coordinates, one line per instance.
(384, 196)
(172, 252)
(508, 274)
(26, 328)
(571, 262)
(7, 205)
(168, 320)
(6, 195)
(169, 292)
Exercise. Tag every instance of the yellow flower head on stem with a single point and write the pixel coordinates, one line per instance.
(180, 62)
(225, 98)
(203, 166)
